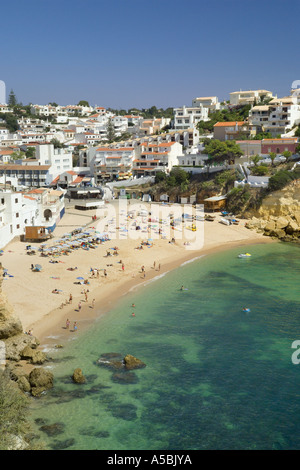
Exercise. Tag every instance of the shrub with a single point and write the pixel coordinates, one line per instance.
(282, 178)
(260, 170)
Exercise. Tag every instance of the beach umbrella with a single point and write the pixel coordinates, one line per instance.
(80, 277)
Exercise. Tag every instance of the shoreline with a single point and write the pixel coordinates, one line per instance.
(46, 317)
(49, 334)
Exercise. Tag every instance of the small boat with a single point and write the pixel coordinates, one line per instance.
(210, 218)
(225, 221)
(244, 255)
(246, 310)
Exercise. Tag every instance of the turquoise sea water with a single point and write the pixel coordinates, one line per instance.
(215, 376)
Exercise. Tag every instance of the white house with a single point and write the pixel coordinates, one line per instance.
(15, 213)
(3, 133)
(210, 102)
(58, 158)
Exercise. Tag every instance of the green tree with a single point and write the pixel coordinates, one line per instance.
(30, 152)
(260, 170)
(272, 155)
(160, 176)
(12, 100)
(57, 144)
(83, 103)
(287, 154)
(221, 152)
(255, 159)
(11, 121)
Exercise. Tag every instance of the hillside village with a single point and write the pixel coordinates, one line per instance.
(50, 154)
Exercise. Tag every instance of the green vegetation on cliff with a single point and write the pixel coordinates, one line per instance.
(13, 415)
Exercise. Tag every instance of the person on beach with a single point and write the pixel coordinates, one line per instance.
(86, 296)
(154, 265)
(105, 273)
(70, 298)
(79, 306)
(67, 324)
(93, 303)
(123, 267)
(75, 326)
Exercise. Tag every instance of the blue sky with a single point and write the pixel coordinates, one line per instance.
(142, 53)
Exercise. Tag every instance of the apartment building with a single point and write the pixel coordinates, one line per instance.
(58, 159)
(249, 97)
(277, 117)
(187, 118)
(152, 126)
(151, 157)
(30, 174)
(111, 163)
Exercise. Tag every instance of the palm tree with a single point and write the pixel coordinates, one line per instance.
(255, 159)
(272, 155)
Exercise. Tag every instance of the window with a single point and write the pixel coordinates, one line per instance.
(18, 226)
(16, 200)
(17, 214)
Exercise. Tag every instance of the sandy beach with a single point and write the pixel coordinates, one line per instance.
(45, 313)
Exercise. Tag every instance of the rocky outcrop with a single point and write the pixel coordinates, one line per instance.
(279, 214)
(15, 345)
(132, 362)
(35, 356)
(21, 347)
(78, 376)
(40, 380)
(10, 325)
(35, 383)
(115, 361)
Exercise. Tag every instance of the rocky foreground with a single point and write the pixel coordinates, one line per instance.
(20, 353)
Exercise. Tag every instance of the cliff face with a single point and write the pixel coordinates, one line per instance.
(10, 325)
(285, 202)
(279, 214)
